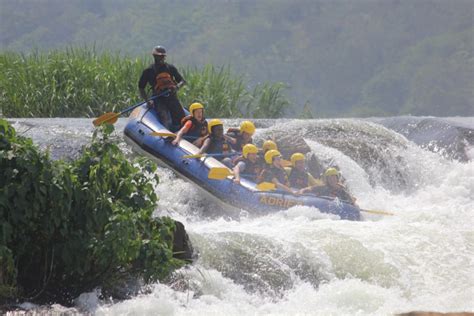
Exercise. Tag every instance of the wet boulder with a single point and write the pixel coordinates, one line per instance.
(182, 247)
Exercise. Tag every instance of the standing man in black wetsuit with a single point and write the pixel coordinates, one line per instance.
(162, 76)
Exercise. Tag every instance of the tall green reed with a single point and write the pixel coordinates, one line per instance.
(226, 95)
(266, 100)
(67, 83)
(219, 91)
(79, 82)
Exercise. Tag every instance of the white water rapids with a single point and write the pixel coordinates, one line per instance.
(302, 262)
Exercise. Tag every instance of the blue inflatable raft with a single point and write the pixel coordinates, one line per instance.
(142, 122)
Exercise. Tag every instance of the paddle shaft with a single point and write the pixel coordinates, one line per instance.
(112, 117)
(362, 210)
(211, 155)
(141, 103)
(223, 155)
(377, 212)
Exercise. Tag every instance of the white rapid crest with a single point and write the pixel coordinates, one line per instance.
(303, 262)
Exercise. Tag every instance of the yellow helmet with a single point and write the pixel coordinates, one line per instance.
(212, 123)
(249, 149)
(247, 127)
(331, 172)
(195, 106)
(296, 157)
(269, 144)
(270, 155)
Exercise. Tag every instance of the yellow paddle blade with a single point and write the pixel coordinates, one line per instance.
(109, 118)
(377, 212)
(219, 173)
(164, 134)
(195, 156)
(266, 186)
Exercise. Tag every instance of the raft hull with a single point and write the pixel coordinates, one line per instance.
(142, 122)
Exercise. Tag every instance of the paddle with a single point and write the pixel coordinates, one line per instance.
(210, 155)
(112, 117)
(168, 134)
(378, 212)
(284, 163)
(219, 173)
(163, 134)
(266, 186)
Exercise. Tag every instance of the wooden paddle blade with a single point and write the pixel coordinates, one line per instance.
(163, 134)
(109, 118)
(195, 156)
(377, 212)
(266, 186)
(219, 173)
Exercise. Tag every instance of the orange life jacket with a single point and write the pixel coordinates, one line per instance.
(164, 81)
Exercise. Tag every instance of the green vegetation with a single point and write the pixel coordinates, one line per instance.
(70, 83)
(67, 228)
(80, 82)
(216, 89)
(433, 76)
(225, 95)
(342, 58)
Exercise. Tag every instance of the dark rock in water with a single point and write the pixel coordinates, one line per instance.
(371, 146)
(315, 167)
(287, 143)
(62, 137)
(182, 247)
(451, 137)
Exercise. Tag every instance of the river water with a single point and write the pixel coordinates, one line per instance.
(302, 262)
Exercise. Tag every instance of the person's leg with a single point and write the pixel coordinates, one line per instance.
(162, 112)
(176, 110)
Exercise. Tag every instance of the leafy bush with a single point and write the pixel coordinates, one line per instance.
(70, 227)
